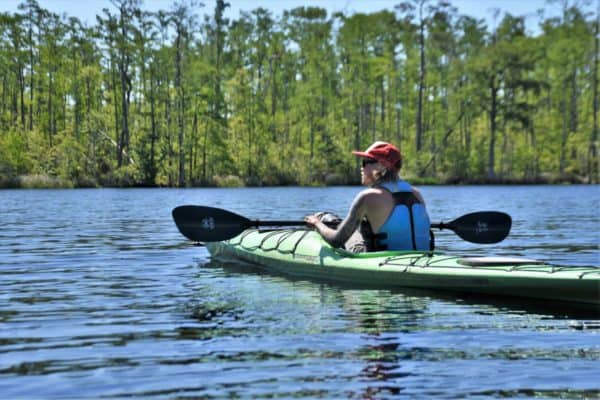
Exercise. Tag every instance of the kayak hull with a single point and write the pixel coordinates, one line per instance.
(304, 253)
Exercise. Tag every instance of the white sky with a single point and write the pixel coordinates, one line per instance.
(481, 9)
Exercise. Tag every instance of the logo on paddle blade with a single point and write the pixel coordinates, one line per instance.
(481, 227)
(208, 224)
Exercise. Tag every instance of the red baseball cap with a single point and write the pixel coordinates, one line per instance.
(385, 153)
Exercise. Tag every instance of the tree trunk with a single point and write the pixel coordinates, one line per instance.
(398, 112)
(419, 122)
(573, 117)
(204, 153)
(493, 113)
(168, 130)
(180, 107)
(193, 158)
(22, 93)
(125, 96)
(593, 162)
(153, 130)
(116, 111)
(565, 131)
(4, 93)
(50, 108)
(31, 75)
(77, 97)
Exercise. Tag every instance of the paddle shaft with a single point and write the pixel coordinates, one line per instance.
(256, 223)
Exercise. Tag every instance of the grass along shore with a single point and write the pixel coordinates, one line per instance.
(42, 181)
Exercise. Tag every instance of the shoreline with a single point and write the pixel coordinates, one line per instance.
(48, 182)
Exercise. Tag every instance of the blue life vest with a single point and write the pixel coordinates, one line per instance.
(407, 227)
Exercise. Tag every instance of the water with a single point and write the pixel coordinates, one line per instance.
(100, 297)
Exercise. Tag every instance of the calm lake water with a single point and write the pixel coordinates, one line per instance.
(101, 297)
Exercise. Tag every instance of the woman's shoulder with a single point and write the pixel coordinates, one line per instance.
(418, 195)
(372, 194)
(372, 191)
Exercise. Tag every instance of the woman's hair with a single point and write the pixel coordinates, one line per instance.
(384, 174)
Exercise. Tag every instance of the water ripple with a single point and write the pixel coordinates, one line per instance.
(100, 297)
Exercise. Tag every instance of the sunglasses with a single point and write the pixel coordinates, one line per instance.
(367, 161)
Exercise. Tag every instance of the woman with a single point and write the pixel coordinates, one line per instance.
(388, 215)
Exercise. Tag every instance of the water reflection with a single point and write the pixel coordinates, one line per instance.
(416, 300)
(394, 333)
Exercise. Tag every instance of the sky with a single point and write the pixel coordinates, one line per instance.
(86, 10)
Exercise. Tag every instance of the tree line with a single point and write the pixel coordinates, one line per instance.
(176, 98)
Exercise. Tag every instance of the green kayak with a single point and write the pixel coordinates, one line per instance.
(304, 253)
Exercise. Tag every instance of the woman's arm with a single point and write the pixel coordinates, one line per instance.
(337, 237)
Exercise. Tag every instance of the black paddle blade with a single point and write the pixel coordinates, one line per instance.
(483, 227)
(207, 224)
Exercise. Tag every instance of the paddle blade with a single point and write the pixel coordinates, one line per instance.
(208, 224)
(483, 227)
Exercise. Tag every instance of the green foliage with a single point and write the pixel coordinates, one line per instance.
(126, 176)
(228, 181)
(14, 155)
(174, 99)
(68, 158)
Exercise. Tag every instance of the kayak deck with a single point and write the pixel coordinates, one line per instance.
(305, 253)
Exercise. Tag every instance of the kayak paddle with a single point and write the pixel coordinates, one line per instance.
(208, 224)
(483, 227)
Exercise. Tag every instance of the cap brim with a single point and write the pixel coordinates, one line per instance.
(362, 154)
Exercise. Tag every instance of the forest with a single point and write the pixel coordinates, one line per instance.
(187, 97)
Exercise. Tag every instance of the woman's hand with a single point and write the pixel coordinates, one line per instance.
(311, 220)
